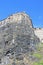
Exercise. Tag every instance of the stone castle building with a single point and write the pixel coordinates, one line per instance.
(39, 33)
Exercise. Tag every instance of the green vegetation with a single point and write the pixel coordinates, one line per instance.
(37, 55)
(35, 63)
(38, 63)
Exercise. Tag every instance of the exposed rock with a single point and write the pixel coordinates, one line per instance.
(16, 37)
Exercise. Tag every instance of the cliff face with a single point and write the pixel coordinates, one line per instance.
(16, 37)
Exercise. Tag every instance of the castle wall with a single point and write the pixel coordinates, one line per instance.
(39, 33)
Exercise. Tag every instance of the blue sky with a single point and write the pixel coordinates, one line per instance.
(34, 8)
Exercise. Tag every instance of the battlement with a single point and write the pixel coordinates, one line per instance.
(38, 28)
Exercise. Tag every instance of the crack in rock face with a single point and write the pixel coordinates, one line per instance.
(17, 38)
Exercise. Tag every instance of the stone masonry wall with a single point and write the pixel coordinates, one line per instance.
(39, 33)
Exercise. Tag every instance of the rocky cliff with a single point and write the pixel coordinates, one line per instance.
(17, 39)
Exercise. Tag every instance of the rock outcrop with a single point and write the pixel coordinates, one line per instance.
(17, 38)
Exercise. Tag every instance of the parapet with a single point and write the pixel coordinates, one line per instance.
(38, 28)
